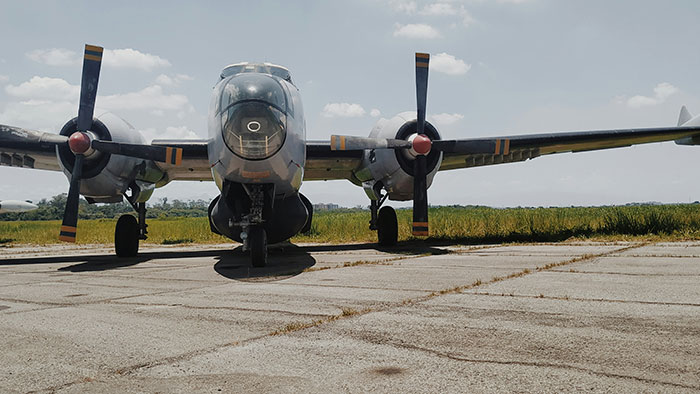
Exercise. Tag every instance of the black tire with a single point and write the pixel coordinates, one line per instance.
(310, 211)
(126, 236)
(257, 242)
(387, 227)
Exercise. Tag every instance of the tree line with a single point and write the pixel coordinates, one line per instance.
(52, 209)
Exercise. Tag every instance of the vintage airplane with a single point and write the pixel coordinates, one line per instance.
(258, 155)
(16, 206)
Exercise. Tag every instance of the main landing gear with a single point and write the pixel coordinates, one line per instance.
(129, 230)
(384, 221)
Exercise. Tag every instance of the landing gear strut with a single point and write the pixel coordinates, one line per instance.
(384, 221)
(252, 232)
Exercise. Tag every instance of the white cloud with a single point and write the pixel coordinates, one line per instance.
(55, 57)
(419, 30)
(374, 113)
(170, 132)
(4, 78)
(448, 9)
(408, 7)
(343, 110)
(448, 64)
(445, 119)
(131, 58)
(174, 80)
(117, 58)
(439, 9)
(45, 88)
(43, 115)
(150, 98)
(180, 132)
(662, 91)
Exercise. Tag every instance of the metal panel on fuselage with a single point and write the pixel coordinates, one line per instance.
(284, 168)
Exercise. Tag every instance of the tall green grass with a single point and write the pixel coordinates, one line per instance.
(466, 225)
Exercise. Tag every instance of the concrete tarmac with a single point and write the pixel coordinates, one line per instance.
(621, 317)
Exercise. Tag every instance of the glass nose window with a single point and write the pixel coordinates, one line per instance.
(253, 130)
(253, 119)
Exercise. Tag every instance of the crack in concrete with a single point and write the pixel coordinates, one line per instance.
(100, 301)
(538, 365)
(572, 271)
(330, 319)
(587, 299)
(225, 308)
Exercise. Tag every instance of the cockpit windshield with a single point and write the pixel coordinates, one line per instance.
(261, 68)
(253, 87)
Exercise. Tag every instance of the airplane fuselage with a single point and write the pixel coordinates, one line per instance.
(257, 153)
(257, 132)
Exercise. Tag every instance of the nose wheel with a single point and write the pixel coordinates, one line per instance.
(257, 243)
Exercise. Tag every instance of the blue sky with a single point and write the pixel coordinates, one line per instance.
(499, 68)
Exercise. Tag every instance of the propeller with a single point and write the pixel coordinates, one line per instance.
(422, 145)
(419, 147)
(83, 143)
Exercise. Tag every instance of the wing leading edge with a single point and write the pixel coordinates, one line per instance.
(323, 163)
(21, 147)
(515, 148)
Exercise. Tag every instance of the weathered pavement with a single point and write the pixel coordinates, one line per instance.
(546, 317)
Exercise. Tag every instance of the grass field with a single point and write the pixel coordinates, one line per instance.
(458, 225)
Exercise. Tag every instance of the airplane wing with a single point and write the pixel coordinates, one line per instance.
(21, 147)
(27, 148)
(195, 161)
(325, 163)
(510, 149)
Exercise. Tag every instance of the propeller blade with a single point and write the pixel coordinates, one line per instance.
(343, 142)
(164, 154)
(422, 60)
(420, 197)
(70, 215)
(480, 146)
(88, 86)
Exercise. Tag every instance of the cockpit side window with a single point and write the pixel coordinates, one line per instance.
(277, 71)
(282, 73)
(231, 70)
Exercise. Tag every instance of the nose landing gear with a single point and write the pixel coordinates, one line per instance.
(257, 243)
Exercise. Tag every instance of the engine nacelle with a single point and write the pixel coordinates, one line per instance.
(106, 177)
(393, 169)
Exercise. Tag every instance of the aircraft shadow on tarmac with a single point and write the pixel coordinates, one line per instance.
(285, 260)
